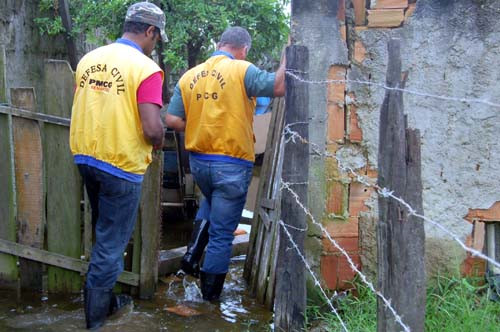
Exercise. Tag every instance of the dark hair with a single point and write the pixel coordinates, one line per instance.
(138, 27)
(236, 37)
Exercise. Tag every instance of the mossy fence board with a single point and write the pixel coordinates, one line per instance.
(45, 227)
(8, 263)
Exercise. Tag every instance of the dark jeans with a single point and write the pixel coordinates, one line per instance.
(114, 202)
(225, 187)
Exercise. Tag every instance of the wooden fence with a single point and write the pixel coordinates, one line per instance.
(45, 226)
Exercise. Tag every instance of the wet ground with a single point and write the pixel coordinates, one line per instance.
(237, 311)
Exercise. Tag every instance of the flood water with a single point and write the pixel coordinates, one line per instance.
(237, 311)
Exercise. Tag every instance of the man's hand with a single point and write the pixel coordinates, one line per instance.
(279, 81)
(176, 123)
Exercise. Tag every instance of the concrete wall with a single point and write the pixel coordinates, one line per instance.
(448, 48)
(25, 48)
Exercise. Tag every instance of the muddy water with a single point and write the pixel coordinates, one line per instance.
(236, 312)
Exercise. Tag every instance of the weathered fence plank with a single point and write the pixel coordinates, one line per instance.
(400, 237)
(3, 75)
(267, 271)
(257, 265)
(150, 219)
(8, 267)
(53, 259)
(63, 183)
(28, 161)
(290, 301)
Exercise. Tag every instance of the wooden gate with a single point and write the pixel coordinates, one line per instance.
(261, 261)
(45, 226)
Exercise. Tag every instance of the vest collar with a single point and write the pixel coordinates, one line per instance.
(229, 55)
(129, 43)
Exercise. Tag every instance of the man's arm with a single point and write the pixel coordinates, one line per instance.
(149, 103)
(176, 114)
(260, 83)
(279, 81)
(152, 126)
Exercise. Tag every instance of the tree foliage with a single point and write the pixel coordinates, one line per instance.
(193, 26)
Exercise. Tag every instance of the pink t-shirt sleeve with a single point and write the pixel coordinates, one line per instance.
(149, 92)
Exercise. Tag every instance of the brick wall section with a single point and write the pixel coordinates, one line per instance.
(345, 197)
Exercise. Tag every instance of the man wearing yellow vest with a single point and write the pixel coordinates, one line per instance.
(214, 104)
(115, 123)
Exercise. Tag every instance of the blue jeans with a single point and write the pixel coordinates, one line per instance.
(225, 187)
(114, 203)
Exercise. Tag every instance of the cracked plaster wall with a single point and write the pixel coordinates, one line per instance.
(449, 48)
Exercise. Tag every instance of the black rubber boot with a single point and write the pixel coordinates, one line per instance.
(97, 302)
(211, 285)
(117, 302)
(190, 263)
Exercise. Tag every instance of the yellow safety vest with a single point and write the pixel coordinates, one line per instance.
(219, 114)
(105, 124)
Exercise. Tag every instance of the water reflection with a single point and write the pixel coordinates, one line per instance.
(236, 311)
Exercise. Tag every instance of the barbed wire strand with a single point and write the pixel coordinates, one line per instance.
(364, 279)
(384, 192)
(316, 280)
(383, 86)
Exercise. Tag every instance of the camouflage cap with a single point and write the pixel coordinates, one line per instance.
(146, 12)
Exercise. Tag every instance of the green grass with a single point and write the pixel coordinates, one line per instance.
(453, 304)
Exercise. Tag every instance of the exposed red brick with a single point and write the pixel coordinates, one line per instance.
(343, 228)
(360, 28)
(345, 272)
(359, 12)
(409, 12)
(336, 124)
(355, 132)
(491, 214)
(372, 173)
(336, 91)
(391, 4)
(349, 244)
(335, 108)
(385, 18)
(358, 194)
(341, 11)
(329, 270)
(335, 199)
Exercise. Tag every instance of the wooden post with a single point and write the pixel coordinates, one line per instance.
(70, 42)
(400, 237)
(150, 221)
(290, 301)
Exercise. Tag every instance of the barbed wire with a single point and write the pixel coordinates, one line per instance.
(385, 192)
(385, 87)
(364, 279)
(316, 280)
(290, 135)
